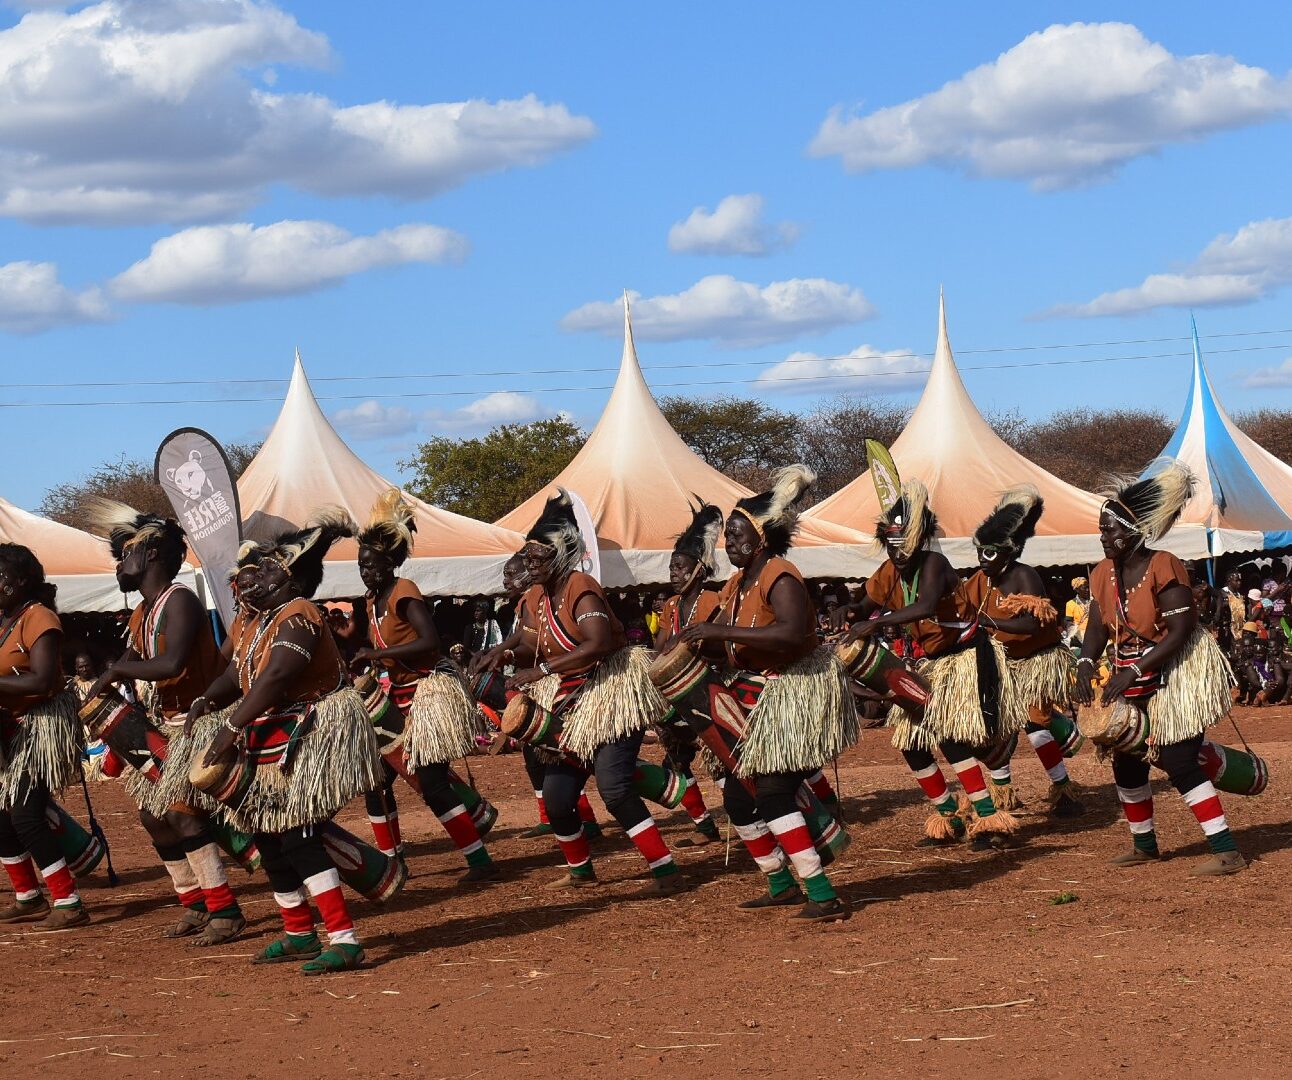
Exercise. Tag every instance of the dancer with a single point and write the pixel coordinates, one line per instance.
(798, 710)
(972, 701)
(427, 688)
(304, 732)
(1166, 667)
(605, 699)
(169, 643)
(41, 739)
(1008, 597)
(689, 569)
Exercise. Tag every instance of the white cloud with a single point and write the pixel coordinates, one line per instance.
(501, 407)
(1234, 268)
(32, 299)
(215, 264)
(1279, 375)
(731, 312)
(734, 227)
(1066, 106)
(865, 370)
(156, 110)
(373, 420)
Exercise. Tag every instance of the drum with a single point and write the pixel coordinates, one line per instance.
(881, 670)
(678, 672)
(127, 731)
(81, 849)
(366, 870)
(1238, 772)
(658, 784)
(1119, 726)
(387, 720)
(239, 846)
(227, 780)
(526, 720)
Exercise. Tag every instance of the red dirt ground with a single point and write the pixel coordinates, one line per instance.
(953, 963)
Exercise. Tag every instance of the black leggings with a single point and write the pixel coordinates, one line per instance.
(773, 797)
(24, 827)
(1179, 761)
(176, 829)
(292, 857)
(918, 760)
(437, 792)
(613, 765)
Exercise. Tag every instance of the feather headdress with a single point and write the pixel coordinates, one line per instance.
(910, 522)
(772, 512)
(1013, 521)
(556, 534)
(1151, 504)
(125, 527)
(700, 538)
(390, 527)
(301, 551)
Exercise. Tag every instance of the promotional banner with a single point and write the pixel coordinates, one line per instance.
(588, 530)
(195, 474)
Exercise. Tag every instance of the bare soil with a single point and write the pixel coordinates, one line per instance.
(952, 962)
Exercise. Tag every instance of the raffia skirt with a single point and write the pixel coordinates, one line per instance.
(174, 789)
(804, 718)
(618, 700)
(45, 750)
(954, 711)
(334, 760)
(1044, 679)
(1194, 694)
(443, 721)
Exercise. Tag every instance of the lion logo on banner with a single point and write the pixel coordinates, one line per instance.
(190, 478)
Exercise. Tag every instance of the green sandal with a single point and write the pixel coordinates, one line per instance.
(335, 958)
(284, 949)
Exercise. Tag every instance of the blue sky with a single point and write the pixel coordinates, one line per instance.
(189, 189)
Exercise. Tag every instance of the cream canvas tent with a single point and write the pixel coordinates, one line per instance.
(1244, 494)
(304, 464)
(950, 446)
(636, 475)
(78, 563)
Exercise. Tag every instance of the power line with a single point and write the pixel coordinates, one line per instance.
(658, 386)
(703, 365)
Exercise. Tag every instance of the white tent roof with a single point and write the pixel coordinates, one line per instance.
(1244, 493)
(949, 445)
(78, 563)
(636, 475)
(304, 465)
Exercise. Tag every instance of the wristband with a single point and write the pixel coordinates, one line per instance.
(230, 726)
(1135, 668)
(544, 667)
(1086, 660)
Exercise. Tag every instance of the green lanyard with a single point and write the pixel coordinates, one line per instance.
(910, 592)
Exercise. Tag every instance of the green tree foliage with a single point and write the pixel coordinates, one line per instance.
(1086, 446)
(832, 439)
(742, 437)
(488, 476)
(130, 482)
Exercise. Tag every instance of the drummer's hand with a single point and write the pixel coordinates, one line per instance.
(839, 616)
(523, 678)
(1117, 685)
(486, 661)
(700, 631)
(101, 683)
(220, 745)
(363, 658)
(196, 711)
(861, 630)
(1083, 690)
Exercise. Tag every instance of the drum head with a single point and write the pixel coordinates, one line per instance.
(516, 716)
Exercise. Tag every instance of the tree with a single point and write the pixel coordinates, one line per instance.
(744, 438)
(832, 438)
(1272, 428)
(486, 477)
(123, 480)
(1085, 446)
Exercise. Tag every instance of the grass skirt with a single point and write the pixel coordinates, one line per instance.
(1194, 693)
(1044, 679)
(46, 749)
(335, 760)
(618, 700)
(443, 721)
(174, 787)
(804, 718)
(954, 710)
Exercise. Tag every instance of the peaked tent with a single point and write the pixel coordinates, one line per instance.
(304, 465)
(950, 446)
(78, 563)
(636, 475)
(1244, 494)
